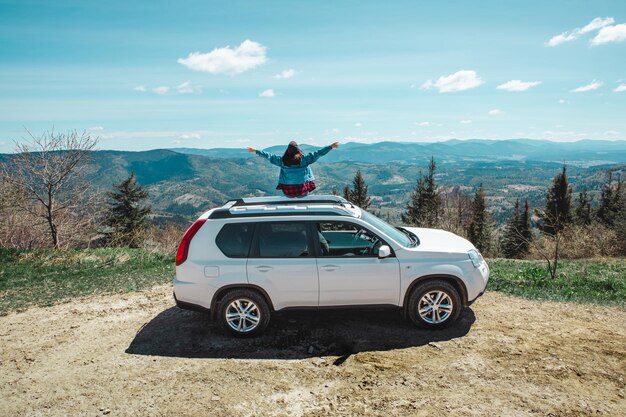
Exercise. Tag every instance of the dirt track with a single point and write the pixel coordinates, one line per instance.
(135, 354)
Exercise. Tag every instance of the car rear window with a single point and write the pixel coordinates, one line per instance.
(234, 239)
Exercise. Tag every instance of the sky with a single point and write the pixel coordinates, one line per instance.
(205, 74)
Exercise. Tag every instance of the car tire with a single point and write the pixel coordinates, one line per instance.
(434, 304)
(243, 313)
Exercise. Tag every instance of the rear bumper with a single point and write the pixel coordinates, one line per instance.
(190, 306)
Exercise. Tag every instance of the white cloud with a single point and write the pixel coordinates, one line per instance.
(190, 136)
(573, 34)
(563, 136)
(284, 74)
(140, 88)
(227, 60)
(607, 34)
(149, 134)
(162, 90)
(495, 112)
(597, 23)
(612, 134)
(620, 88)
(357, 124)
(361, 139)
(425, 124)
(561, 101)
(269, 93)
(559, 39)
(465, 121)
(427, 85)
(518, 85)
(594, 85)
(459, 81)
(95, 129)
(187, 88)
(335, 130)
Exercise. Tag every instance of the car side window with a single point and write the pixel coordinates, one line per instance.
(283, 240)
(347, 239)
(234, 239)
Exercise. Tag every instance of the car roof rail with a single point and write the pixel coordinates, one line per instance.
(310, 199)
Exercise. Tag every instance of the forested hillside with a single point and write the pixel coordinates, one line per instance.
(188, 183)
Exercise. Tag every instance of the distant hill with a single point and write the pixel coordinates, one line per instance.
(583, 153)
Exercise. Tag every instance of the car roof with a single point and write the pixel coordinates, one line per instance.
(323, 205)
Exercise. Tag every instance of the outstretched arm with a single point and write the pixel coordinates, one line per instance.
(314, 156)
(274, 159)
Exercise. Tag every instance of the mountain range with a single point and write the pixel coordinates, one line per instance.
(584, 152)
(185, 182)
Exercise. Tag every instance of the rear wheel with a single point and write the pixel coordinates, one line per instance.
(244, 313)
(434, 304)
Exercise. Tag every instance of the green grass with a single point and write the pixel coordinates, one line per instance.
(44, 277)
(600, 281)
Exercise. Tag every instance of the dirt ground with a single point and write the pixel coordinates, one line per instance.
(136, 354)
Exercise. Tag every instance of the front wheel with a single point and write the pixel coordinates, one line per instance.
(244, 313)
(434, 304)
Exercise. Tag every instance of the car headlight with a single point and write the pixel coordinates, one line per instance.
(475, 257)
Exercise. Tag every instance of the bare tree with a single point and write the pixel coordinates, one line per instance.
(17, 230)
(456, 210)
(48, 170)
(551, 253)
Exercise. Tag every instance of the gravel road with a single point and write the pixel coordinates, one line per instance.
(136, 354)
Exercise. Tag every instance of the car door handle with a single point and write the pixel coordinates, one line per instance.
(330, 268)
(264, 268)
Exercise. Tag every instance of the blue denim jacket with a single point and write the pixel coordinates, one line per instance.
(295, 174)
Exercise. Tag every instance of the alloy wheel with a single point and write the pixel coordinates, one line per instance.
(435, 307)
(242, 315)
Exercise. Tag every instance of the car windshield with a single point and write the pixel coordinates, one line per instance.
(386, 228)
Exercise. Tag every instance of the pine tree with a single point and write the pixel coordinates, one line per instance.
(517, 234)
(346, 192)
(556, 214)
(612, 201)
(479, 230)
(358, 194)
(620, 230)
(127, 214)
(582, 214)
(523, 228)
(424, 208)
(612, 210)
(510, 238)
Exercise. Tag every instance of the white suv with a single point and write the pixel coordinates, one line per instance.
(254, 256)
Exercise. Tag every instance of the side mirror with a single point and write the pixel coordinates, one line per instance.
(384, 251)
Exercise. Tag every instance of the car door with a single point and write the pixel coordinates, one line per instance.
(282, 262)
(350, 272)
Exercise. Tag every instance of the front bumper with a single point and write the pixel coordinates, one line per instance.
(469, 303)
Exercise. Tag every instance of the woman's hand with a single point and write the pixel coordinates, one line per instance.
(334, 145)
(251, 150)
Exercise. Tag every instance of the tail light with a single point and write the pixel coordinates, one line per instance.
(183, 248)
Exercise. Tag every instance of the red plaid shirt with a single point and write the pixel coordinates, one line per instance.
(296, 190)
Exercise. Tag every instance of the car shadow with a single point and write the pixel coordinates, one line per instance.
(295, 335)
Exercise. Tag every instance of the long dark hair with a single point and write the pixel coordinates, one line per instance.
(293, 154)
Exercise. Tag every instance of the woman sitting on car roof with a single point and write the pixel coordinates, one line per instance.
(296, 178)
